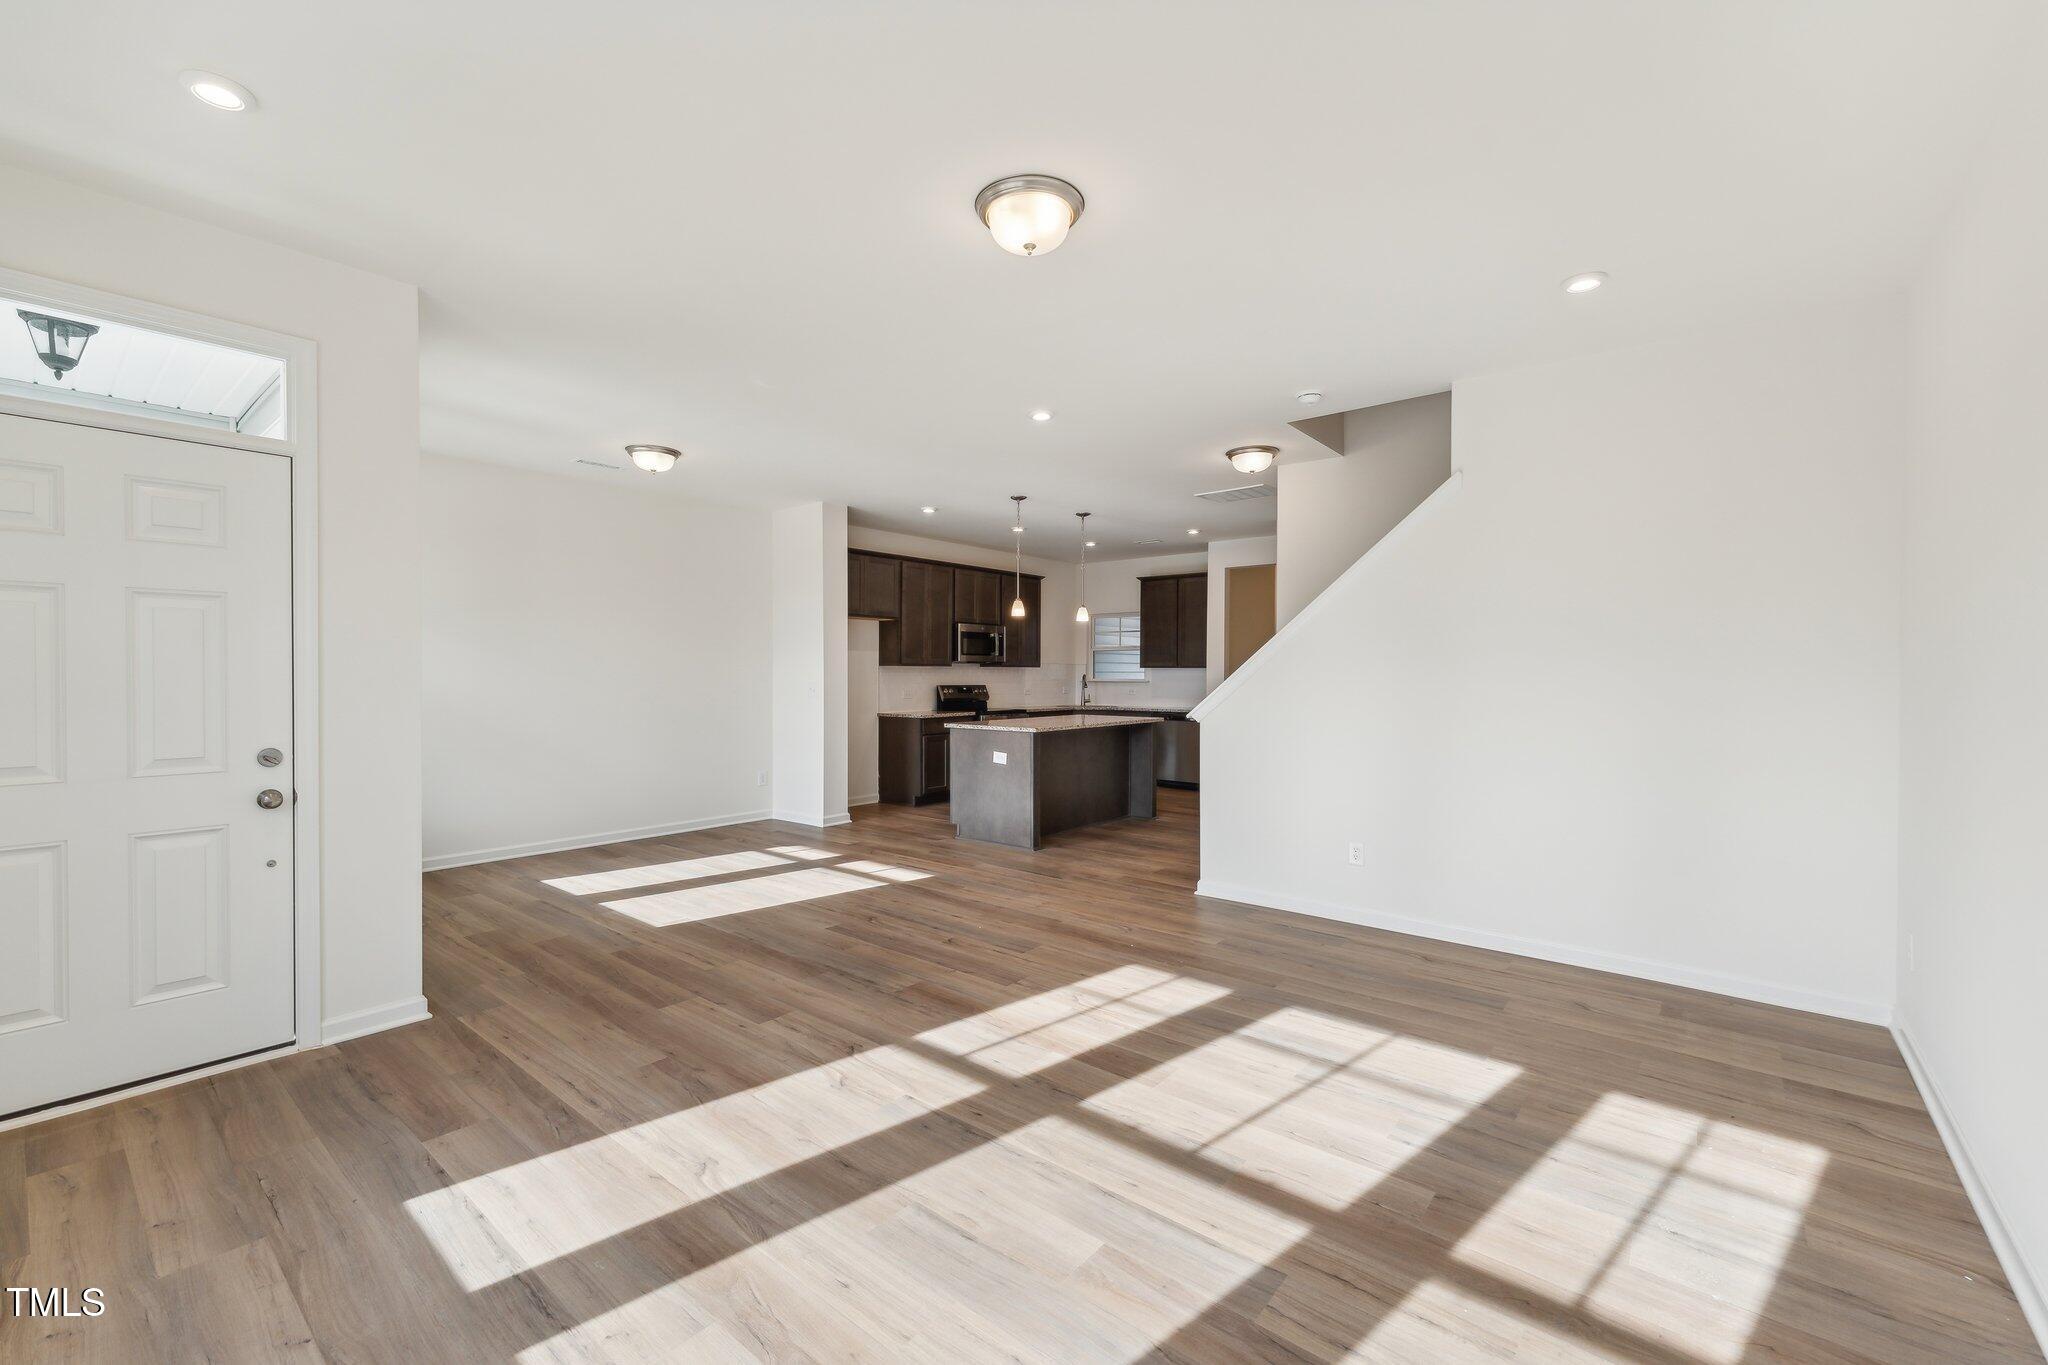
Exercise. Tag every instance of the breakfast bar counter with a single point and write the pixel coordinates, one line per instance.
(1017, 779)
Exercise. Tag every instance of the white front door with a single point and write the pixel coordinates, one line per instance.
(145, 664)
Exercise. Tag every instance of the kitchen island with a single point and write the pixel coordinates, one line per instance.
(1017, 779)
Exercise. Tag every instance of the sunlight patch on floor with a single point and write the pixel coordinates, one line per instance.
(1321, 1107)
(524, 1215)
(688, 869)
(1657, 1220)
(803, 852)
(1029, 1035)
(689, 904)
(1051, 1243)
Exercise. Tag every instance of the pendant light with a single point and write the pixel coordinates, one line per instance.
(1081, 612)
(59, 342)
(1017, 611)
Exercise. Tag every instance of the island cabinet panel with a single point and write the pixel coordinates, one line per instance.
(922, 634)
(874, 585)
(1173, 621)
(977, 597)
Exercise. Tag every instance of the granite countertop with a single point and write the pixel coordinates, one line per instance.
(1042, 725)
(1093, 709)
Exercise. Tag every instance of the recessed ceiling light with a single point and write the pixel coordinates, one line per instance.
(1585, 282)
(929, 511)
(217, 92)
(654, 459)
(1028, 215)
(1252, 459)
(1307, 396)
(1089, 543)
(1194, 530)
(1040, 415)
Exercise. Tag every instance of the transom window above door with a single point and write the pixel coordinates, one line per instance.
(62, 355)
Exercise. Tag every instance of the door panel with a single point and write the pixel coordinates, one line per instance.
(145, 659)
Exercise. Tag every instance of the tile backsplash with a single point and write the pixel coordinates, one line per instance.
(912, 689)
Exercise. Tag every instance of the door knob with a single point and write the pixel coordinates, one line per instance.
(270, 798)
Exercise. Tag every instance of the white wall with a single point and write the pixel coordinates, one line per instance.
(807, 613)
(1225, 555)
(1625, 694)
(367, 328)
(596, 662)
(1112, 589)
(1332, 511)
(1974, 818)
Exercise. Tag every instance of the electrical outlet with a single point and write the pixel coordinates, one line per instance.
(1356, 854)
(1912, 957)
(761, 778)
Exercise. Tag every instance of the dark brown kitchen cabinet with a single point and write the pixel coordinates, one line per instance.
(911, 759)
(977, 597)
(1173, 621)
(874, 585)
(1022, 639)
(922, 633)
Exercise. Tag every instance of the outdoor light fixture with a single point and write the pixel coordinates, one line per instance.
(1028, 215)
(1081, 612)
(1252, 459)
(654, 459)
(59, 342)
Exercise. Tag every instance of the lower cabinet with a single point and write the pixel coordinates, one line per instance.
(912, 759)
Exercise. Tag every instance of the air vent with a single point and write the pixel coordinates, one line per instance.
(600, 464)
(1242, 493)
(1154, 541)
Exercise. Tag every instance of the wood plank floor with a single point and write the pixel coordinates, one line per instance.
(766, 1093)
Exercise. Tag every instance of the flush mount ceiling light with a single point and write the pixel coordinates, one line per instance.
(1308, 396)
(59, 342)
(1040, 415)
(217, 92)
(1585, 282)
(1252, 459)
(654, 459)
(1017, 606)
(1081, 612)
(1029, 215)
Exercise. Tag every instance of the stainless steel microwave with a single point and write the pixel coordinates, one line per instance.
(977, 645)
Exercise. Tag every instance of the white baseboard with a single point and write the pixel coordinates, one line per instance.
(2025, 1286)
(373, 1020)
(574, 841)
(814, 821)
(1671, 974)
(873, 799)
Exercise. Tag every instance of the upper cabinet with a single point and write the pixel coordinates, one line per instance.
(1173, 621)
(977, 597)
(874, 585)
(920, 601)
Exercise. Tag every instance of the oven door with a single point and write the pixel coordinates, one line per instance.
(977, 645)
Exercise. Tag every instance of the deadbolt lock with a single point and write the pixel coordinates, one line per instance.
(270, 758)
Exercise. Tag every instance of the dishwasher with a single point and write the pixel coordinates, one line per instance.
(1177, 757)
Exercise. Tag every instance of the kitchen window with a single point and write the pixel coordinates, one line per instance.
(1116, 649)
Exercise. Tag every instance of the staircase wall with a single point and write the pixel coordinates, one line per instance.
(1625, 693)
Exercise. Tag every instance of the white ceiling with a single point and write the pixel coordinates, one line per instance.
(747, 230)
